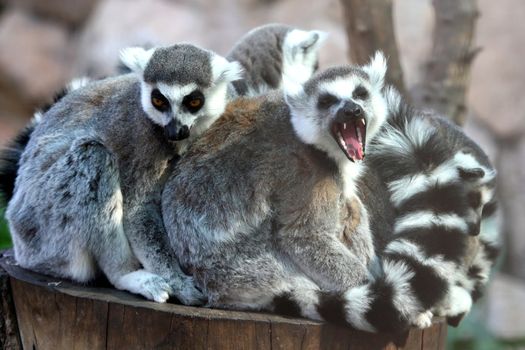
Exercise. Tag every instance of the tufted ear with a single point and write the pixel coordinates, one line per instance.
(471, 174)
(136, 58)
(307, 41)
(376, 70)
(225, 71)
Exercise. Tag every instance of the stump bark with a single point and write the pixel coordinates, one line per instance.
(56, 314)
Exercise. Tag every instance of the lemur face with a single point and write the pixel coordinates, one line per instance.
(183, 87)
(341, 108)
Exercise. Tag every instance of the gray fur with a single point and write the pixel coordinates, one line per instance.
(266, 56)
(87, 195)
(257, 212)
(187, 64)
(421, 151)
(107, 122)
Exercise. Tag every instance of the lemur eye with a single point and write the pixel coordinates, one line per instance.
(194, 101)
(360, 92)
(325, 101)
(158, 101)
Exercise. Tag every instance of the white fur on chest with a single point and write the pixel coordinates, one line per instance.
(349, 173)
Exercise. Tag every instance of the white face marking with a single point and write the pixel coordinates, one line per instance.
(174, 94)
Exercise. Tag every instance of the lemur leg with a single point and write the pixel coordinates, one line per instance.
(258, 281)
(149, 241)
(309, 229)
(86, 208)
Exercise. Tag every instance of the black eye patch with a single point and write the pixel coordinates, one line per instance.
(326, 101)
(194, 101)
(159, 101)
(360, 92)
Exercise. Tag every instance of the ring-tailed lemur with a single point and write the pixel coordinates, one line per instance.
(275, 56)
(254, 208)
(271, 55)
(439, 189)
(9, 166)
(87, 194)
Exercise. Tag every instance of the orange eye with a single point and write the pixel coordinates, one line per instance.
(157, 102)
(195, 103)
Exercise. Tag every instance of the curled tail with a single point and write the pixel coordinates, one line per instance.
(379, 306)
(10, 156)
(9, 159)
(441, 186)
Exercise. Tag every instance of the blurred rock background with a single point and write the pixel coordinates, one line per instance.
(44, 44)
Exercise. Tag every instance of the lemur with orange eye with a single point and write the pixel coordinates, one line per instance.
(89, 173)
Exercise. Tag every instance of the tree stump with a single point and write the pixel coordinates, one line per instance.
(56, 314)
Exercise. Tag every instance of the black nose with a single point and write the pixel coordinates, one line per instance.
(174, 131)
(184, 132)
(349, 111)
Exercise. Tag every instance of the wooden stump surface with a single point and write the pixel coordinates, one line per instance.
(56, 314)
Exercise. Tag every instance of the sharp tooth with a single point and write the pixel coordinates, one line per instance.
(341, 140)
(344, 126)
(363, 122)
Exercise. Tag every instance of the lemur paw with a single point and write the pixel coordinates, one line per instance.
(186, 292)
(145, 283)
(423, 320)
(460, 302)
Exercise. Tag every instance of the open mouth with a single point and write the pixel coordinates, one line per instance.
(351, 137)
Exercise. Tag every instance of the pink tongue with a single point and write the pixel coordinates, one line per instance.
(353, 145)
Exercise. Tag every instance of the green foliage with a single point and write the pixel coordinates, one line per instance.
(472, 334)
(5, 239)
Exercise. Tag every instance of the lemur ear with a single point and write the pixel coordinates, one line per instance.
(376, 70)
(225, 71)
(305, 42)
(313, 41)
(136, 58)
(471, 174)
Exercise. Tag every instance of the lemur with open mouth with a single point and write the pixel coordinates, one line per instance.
(257, 208)
(253, 209)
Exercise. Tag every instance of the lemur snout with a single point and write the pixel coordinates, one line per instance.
(348, 111)
(174, 131)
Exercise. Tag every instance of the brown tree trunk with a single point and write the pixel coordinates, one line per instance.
(447, 71)
(370, 27)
